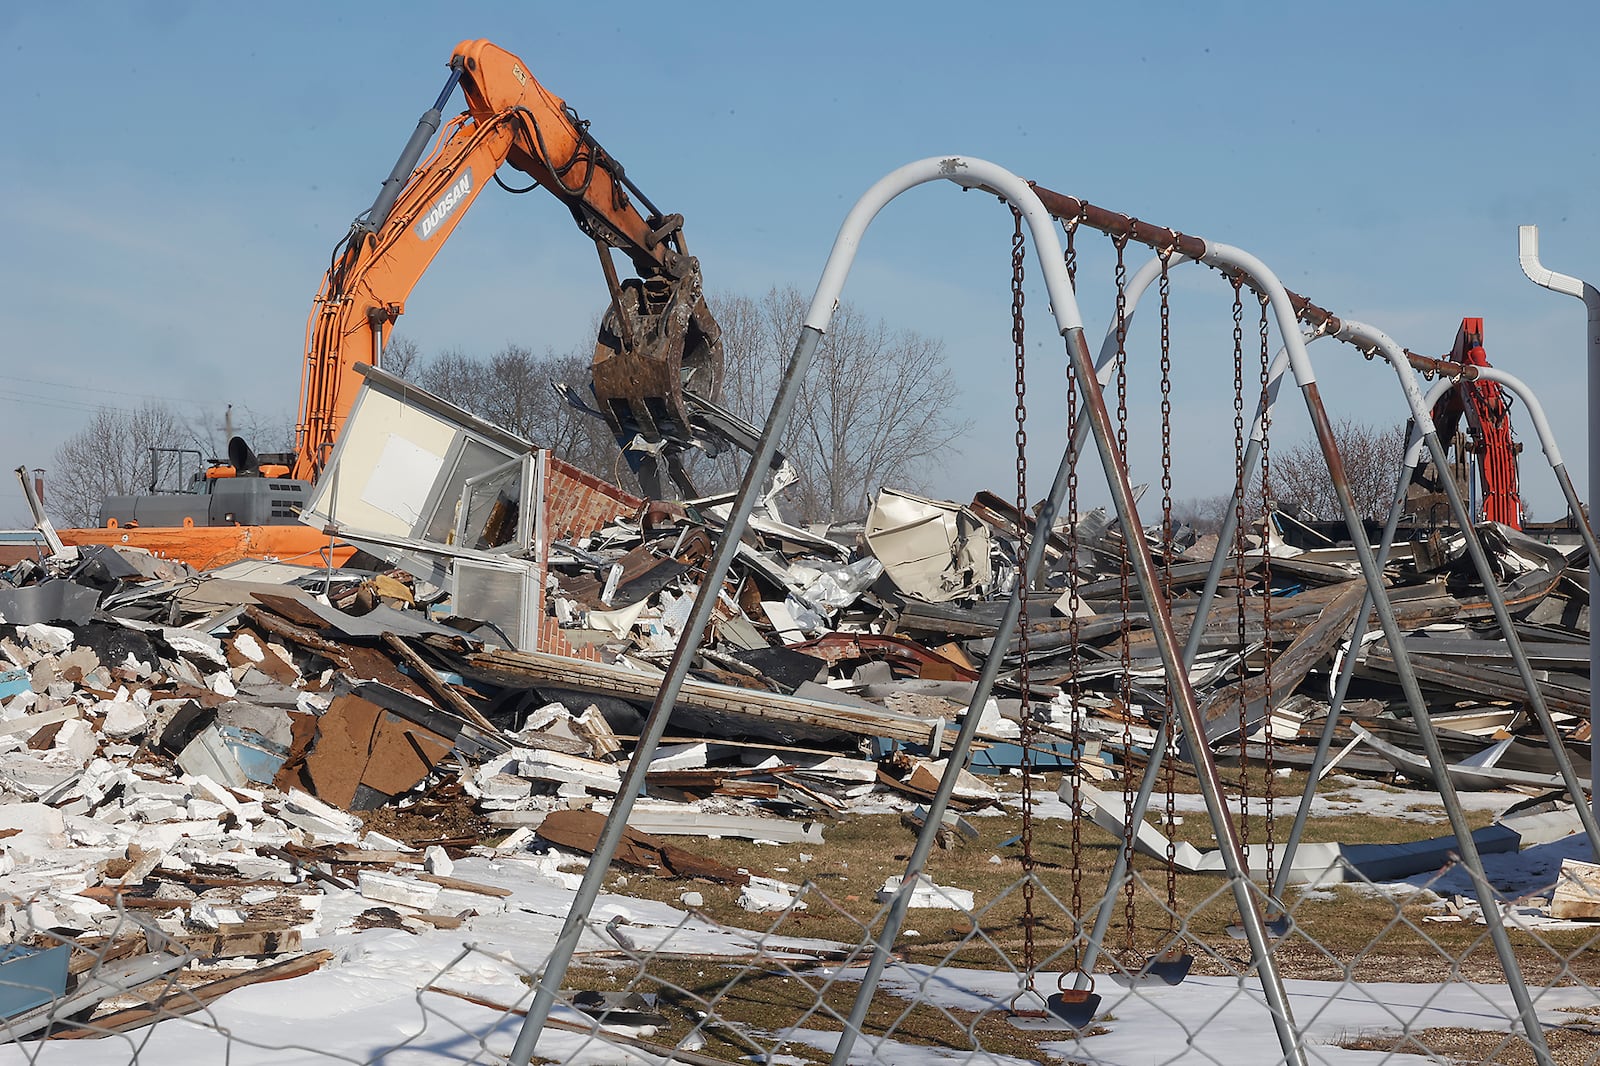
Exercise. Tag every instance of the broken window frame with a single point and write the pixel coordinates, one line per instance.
(448, 562)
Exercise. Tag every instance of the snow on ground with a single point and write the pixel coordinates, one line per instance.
(379, 1000)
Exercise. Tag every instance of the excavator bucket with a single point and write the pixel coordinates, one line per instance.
(656, 342)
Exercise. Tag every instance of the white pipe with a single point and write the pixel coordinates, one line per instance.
(1567, 285)
(1538, 273)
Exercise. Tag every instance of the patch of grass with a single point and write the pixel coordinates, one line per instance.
(752, 1005)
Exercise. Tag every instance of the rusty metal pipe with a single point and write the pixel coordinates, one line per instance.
(1071, 209)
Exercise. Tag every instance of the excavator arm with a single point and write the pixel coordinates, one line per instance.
(1486, 409)
(658, 337)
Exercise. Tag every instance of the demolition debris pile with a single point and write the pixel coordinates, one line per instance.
(229, 764)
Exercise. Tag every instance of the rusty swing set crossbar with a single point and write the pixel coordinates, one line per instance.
(1118, 226)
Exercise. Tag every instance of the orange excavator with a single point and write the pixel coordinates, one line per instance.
(658, 361)
(658, 337)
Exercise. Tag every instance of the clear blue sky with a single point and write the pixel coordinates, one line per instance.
(177, 174)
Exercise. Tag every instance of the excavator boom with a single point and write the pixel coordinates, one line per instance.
(658, 337)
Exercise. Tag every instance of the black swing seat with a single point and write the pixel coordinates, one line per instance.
(1068, 1009)
(1277, 927)
(1169, 967)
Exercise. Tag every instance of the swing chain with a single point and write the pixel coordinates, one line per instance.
(1121, 243)
(1266, 602)
(1019, 342)
(1166, 406)
(1125, 689)
(1239, 569)
(1074, 677)
(1168, 770)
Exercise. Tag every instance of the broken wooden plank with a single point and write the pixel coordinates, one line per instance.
(1577, 894)
(580, 831)
(177, 1003)
(436, 686)
(1478, 680)
(708, 778)
(1314, 644)
(673, 820)
(442, 921)
(662, 1051)
(245, 938)
(30, 722)
(117, 897)
(97, 951)
(305, 638)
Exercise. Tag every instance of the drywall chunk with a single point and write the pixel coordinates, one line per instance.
(398, 891)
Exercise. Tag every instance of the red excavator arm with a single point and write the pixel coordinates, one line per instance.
(658, 337)
(1487, 410)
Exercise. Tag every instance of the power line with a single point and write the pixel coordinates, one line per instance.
(55, 402)
(76, 388)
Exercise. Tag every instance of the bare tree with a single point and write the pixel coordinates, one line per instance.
(876, 408)
(1203, 513)
(454, 376)
(111, 456)
(1371, 455)
(513, 389)
(401, 357)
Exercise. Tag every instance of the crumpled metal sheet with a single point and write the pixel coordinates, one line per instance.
(931, 549)
(60, 600)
